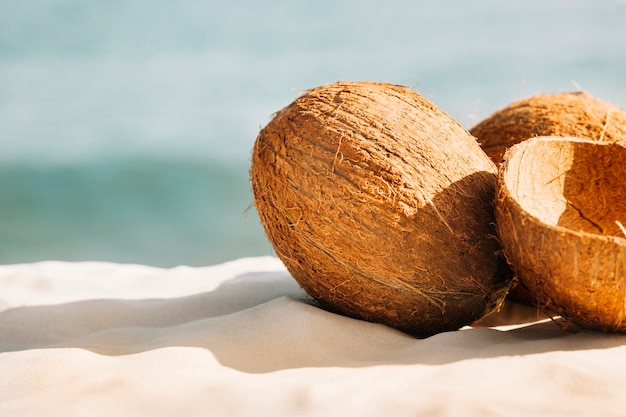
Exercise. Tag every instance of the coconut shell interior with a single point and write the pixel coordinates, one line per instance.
(561, 212)
(572, 184)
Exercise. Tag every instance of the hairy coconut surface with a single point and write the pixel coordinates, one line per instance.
(561, 212)
(576, 114)
(380, 206)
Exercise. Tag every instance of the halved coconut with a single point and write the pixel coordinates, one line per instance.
(560, 212)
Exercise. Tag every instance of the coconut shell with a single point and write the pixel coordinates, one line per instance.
(561, 212)
(380, 206)
(576, 114)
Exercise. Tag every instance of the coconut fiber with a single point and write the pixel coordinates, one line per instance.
(576, 114)
(380, 206)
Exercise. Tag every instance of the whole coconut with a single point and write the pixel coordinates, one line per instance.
(561, 211)
(380, 206)
(576, 114)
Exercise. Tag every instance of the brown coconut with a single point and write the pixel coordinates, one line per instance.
(561, 212)
(380, 206)
(576, 114)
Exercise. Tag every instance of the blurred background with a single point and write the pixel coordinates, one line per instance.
(126, 125)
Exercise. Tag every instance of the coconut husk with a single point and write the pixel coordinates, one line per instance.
(571, 114)
(575, 114)
(561, 211)
(380, 206)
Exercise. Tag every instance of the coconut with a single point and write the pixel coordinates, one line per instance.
(576, 114)
(561, 212)
(380, 206)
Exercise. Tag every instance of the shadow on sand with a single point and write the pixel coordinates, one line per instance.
(262, 322)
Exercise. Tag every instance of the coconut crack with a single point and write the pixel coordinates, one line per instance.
(585, 218)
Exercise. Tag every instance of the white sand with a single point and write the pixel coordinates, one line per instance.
(241, 339)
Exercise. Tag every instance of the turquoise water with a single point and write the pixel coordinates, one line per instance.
(126, 126)
(161, 212)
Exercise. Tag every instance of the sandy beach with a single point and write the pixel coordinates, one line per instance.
(242, 339)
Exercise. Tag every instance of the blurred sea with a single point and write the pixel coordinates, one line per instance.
(126, 125)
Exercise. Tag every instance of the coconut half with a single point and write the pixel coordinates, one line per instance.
(561, 211)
